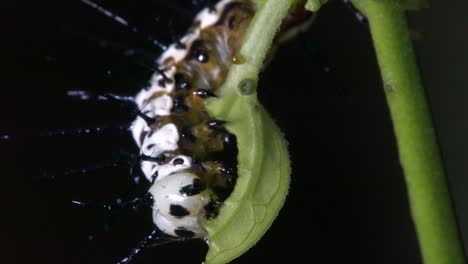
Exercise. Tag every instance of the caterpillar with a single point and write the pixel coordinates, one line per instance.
(189, 158)
(191, 162)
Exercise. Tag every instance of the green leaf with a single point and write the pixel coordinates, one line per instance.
(404, 4)
(314, 5)
(263, 161)
(262, 185)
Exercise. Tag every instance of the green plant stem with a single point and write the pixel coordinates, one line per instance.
(430, 200)
(257, 43)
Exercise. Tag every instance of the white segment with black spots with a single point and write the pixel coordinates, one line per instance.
(167, 196)
(163, 139)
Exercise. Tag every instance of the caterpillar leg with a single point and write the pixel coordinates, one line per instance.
(155, 238)
(138, 249)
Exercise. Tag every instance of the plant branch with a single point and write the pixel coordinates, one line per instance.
(430, 200)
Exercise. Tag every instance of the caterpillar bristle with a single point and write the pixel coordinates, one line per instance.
(137, 250)
(155, 238)
(83, 95)
(158, 159)
(164, 76)
(142, 57)
(175, 38)
(105, 12)
(145, 200)
(124, 22)
(28, 134)
(130, 107)
(49, 175)
(203, 93)
(216, 124)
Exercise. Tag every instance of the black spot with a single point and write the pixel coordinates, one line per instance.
(149, 120)
(147, 200)
(162, 83)
(154, 176)
(204, 93)
(147, 86)
(230, 176)
(211, 7)
(197, 164)
(198, 51)
(158, 159)
(216, 124)
(211, 209)
(164, 80)
(179, 104)
(182, 232)
(231, 22)
(229, 139)
(178, 161)
(186, 134)
(222, 192)
(227, 171)
(201, 56)
(181, 82)
(150, 146)
(178, 210)
(193, 189)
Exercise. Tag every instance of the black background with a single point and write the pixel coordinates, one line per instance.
(347, 201)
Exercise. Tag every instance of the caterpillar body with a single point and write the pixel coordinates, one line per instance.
(190, 157)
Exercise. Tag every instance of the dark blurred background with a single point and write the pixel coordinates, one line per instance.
(347, 201)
